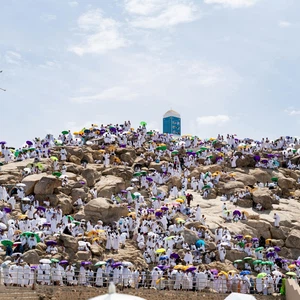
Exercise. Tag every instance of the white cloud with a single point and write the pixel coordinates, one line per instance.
(117, 93)
(48, 17)
(232, 3)
(154, 14)
(292, 112)
(284, 24)
(99, 34)
(50, 65)
(213, 120)
(12, 57)
(73, 3)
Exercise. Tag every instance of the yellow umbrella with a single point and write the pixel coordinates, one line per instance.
(159, 280)
(202, 227)
(96, 239)
(186, 267)
(132, 129)
(248, 236)
(21, 217)
(132, 214)
(292, 266)
(179, 267)
(179, 200)
(231, 271)
(95, 125)
(76, 132)
(92, 233)
(216, 173)
(245, 213)
(232, 174)
(223, 273)
(100, 230)
(160, 250)
(268, 241)
(101, 151)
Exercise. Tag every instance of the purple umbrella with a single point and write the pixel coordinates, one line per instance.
(124, 191)
(237, 212)
(85, 263)
(239, 237)
(254, 239)
(2, 143)
(270, 155)
(297, 262)
(6, 210)
(270, 254)
(163, 267)
(33, 267)
(277, 249)
(174, 255)
(164, 208)
(82, 182)
(158, 214)
(264, 161)
(102, 131)
(278, 259)
(149, 179)
(191, 269)
(47, 224)
(63, 262)
(151, 210)
(46, 144)
(117, 264)
(122, 146)
(41, 208)
(113, 129)
(285, 261)
(256, 157)
(51, 243)
(214, 271)
(29, 143)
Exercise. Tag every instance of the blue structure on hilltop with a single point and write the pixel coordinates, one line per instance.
(172, 122)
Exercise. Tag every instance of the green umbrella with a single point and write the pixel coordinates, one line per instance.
(291, 273)
(39, 166)
(54, 158)
(248, 258)
(57, 174)
(259, 249)
(100, 263)
(133, 196)
(76, 222)
(163, 148)
(210, 156)
(31, 149)
(238, 261)
(137, 174)
(29, 234)
(206, 187)
(150, 132)
(144, 173)
(54, 260)
(7, 243)
(256, 262)
(275, 179)
(241, 244)
(175, 152)
(262, 275)
(70, 218)
(170, 237)
(17, 153)
(227, 211)
(269, 263)
(65, 132)
(203, 148)
(1, 163)
(143, 123)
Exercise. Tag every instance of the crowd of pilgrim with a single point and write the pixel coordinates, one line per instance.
(155, 220)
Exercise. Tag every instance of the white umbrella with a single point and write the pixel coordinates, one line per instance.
(127, 264)
(26, 199)
(21, 184)
(129, 188)
(135, 180)
(63, 176)
(17, 253)
(3, 226)
(276, 273)
(137, 194)
(45, 261)
(112, 295)
(27, 170)
(238, 296)
(5, 263)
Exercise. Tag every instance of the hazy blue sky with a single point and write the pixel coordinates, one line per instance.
(227, 66)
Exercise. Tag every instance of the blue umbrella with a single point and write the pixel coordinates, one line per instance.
(163, 257)
(245, 272)
(200, 243)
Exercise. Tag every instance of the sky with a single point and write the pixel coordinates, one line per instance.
(227, 66)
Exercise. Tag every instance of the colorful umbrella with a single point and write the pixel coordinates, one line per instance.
(100, 263)
(259, 249)
(262, 275)
(160, 250)
(7, 243)
(200, 243)
(54, 260)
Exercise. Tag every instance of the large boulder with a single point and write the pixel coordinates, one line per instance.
(30, 182)
(102, 209)
(280, 233)
(46, 185)
(109, 185)
(75, 160)
(31, 257)
(246, 179)
(191, 237)
(293, 239)
(230, 187)
(233, 255)
(83, 256)
(91, 176)
(286, 183)
(264, 197)
(69, 242)
(75, 151)
(66, 205)
(261, 175)
(156, 166)
(120, 171)
(78, 193)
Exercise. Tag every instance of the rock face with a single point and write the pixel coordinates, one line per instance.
(31, 257)
(46, 185)
(109, 185)
(264, 197)
(293, 240)
(31, 181)
(102, 209)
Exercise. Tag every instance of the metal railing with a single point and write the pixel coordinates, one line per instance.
(34, 278)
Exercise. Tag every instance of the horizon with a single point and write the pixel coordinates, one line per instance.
(227, 66)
